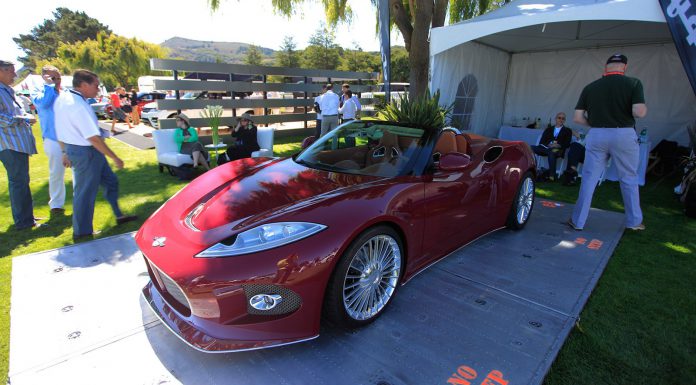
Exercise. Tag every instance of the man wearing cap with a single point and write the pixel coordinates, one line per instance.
(16, 145)
(86, 149)
(43, 98)
(609, 106)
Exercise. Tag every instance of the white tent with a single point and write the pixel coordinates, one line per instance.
(532, 59)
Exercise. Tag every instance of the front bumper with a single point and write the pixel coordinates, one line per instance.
(184, 328)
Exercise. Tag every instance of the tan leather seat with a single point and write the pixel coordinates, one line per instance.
(446, 143)
(462, 145)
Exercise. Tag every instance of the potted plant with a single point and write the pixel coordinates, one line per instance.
(423, 111)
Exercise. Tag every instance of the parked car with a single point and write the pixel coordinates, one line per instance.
(250, 254)
(144, 98)
(149, 97)
(152, 114)
(396, 91)
(99, 105)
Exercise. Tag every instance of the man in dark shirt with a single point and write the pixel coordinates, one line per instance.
(554, 142)
(609, 106)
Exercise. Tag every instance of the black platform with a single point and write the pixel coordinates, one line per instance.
(499, 308)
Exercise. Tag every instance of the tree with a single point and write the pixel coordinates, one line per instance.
(68, 27)
(400, 69)
(253, 56)
(359, 60)
(322, 52)
(413, 18)
(288, 56)
(117, 60)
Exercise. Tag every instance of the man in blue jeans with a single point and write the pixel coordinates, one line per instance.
(84, 144)
(16, 145)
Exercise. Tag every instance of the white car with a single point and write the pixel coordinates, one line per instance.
(396, 90)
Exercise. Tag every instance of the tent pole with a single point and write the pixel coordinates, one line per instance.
(505, 92)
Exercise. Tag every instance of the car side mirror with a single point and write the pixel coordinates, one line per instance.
(454, 161)
(308, 141)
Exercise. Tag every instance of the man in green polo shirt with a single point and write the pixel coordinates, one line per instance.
(609, 106)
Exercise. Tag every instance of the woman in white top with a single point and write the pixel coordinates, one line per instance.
(349, 108)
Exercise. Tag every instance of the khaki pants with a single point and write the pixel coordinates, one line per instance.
(328, 123)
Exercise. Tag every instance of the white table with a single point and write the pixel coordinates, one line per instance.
(214, 148)
(611, 173)
(529, 135)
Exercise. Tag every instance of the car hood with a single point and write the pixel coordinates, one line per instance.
(245, 191)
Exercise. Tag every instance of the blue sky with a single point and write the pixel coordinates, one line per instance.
(247, 21)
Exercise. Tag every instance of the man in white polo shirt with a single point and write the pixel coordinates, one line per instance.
(84, 144)
(329, 110)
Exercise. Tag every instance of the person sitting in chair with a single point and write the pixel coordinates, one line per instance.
(245, 136)
(554, 141)
(186, 138)
(576, 155)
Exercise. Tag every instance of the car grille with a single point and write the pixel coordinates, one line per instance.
(171, 290)
(174, 290)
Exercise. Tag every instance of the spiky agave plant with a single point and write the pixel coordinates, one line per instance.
(423, 111)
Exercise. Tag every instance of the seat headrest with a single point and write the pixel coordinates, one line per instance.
(446, 143)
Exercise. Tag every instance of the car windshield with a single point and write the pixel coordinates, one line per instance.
(365, 148)
(190, 95)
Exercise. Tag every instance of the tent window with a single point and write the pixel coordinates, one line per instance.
(463, 112)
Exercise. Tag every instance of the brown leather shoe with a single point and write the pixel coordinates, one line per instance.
(57, 211)
(36, 225)
(86, 236)
(126, 218)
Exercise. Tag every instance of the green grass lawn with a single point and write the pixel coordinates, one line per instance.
(639, 325)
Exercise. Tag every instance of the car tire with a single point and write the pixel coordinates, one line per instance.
(523, 203)
(361, 286)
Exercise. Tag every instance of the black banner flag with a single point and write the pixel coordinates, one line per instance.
(681, 19)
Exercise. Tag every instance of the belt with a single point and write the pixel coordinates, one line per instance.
(329, 115)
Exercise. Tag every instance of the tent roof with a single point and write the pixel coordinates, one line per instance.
(544, 25)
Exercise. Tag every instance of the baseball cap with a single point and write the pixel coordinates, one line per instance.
(617, 58)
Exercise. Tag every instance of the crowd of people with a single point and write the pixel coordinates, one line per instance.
(124, 106)
(72, 139)
(328, 105)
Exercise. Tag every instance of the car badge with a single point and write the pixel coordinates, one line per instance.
(158, 241)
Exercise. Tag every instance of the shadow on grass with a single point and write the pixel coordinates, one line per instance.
(142, 189)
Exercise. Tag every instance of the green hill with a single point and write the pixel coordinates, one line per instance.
(211, 51)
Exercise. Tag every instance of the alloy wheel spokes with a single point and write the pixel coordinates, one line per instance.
(525, 200)
(371, 277)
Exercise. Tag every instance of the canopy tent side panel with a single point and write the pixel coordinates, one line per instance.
(473, 77)
(542, 84)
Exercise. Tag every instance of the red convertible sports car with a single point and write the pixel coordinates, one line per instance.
(256, 252)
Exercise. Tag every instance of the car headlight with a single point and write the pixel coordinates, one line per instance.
(263, 237)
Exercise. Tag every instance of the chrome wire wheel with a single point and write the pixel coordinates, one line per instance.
(525, 200)
(371, 277)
